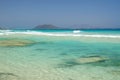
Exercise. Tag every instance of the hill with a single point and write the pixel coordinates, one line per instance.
(46, 26)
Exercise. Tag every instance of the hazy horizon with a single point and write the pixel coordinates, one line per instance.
(62, 13)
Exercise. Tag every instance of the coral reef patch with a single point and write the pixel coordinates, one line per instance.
(15, 42)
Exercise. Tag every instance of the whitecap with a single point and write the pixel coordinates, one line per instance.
(31, 32)
(76, 31)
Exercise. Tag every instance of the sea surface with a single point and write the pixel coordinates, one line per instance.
(58, 54)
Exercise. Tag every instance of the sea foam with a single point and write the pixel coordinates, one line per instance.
(76, 31)
(31, 32)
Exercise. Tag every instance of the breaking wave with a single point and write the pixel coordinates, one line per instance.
(31, 32)
(76, 31)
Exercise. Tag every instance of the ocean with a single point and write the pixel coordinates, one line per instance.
(60, 54)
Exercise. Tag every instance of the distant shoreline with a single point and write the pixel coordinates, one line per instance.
(65, 29)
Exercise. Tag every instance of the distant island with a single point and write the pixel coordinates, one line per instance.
(47, 26)
(52, 27)
(83, 27)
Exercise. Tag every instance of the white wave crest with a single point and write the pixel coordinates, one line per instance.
(76, 31)
(28, 32)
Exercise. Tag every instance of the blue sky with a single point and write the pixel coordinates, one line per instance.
(65, 13)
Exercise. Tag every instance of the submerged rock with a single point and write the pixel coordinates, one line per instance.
(82, 60)
(90, 59)
(68, 64)
(115, 72)
(40, 49)
(15, 42)
(8, 76)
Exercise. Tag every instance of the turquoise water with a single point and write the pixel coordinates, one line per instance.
(54, 55)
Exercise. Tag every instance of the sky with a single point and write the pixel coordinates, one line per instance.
(62, 13)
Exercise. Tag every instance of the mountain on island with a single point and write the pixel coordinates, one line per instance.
(84, 26)
(46, 26)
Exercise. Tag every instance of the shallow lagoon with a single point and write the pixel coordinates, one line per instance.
(54, 58)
